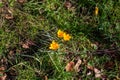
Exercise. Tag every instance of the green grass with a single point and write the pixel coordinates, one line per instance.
(37, 22)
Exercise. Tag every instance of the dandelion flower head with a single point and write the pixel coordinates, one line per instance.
(54, 45)
(66, 37)
(60, 33)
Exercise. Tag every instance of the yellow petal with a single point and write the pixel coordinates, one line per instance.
(54, 45)
(96, 11)
(60, 33)
(66, 37)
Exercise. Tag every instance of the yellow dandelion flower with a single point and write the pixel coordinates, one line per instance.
(60, 33)
(54, 45)
(96, 10)
(66, 37)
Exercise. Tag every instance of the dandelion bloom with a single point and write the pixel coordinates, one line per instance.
(96, 10)
(66, 37)
(60, 33)
(54, 45)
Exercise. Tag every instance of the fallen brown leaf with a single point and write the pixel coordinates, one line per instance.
(27, 44)
(46, 78)
(3, 77)
(69, 66)
(21, 1)
(98, 73)
(76, 67)
(90, 67)
(3, 61)
(89, 73)
(11, 53)
(8, 16)
(2, 73)
(68, 4)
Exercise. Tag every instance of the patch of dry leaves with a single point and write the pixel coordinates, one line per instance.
(76, 67)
